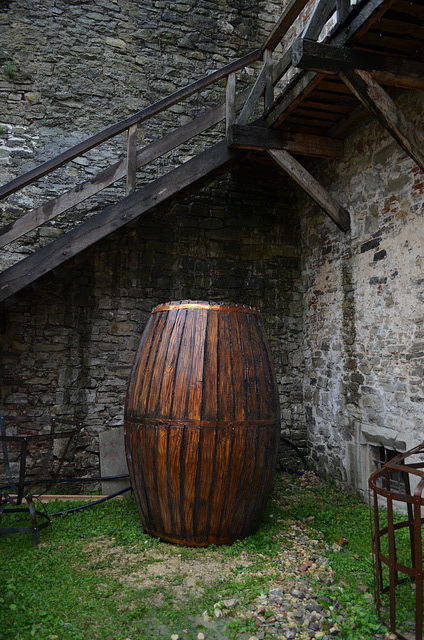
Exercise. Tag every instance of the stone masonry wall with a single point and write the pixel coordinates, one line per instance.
(343, 312)
(68, 345)
(364, 320)
(68, 69)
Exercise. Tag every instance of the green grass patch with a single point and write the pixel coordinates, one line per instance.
(96, 575)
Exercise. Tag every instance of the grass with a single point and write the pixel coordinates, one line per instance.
(11, 69)
(87, 578)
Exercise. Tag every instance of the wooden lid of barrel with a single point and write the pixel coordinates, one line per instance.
(202, 422)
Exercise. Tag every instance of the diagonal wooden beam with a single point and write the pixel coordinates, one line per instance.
(381, 105)
(319, 16)
(259, 138)
(191, 175)
(312, 187)
(111, 174)
(369, 13)
(253, 98)
(289, 15)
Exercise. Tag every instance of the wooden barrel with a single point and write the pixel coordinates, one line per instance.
(202, 423)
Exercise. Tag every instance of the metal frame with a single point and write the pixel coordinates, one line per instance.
(411, 501)
(15, 491)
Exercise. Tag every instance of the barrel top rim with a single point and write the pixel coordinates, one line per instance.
(204, 304)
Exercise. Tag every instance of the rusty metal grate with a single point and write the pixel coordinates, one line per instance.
(396, 502)
(23, 474)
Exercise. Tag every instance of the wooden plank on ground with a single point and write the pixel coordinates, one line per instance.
(312, 187)
(216, 159)
(381, 105)
(105, 178)
(83, 497)
(259, 138)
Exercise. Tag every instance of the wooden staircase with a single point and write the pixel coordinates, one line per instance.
(304, 113)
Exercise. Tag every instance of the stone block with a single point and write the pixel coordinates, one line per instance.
(112, 460)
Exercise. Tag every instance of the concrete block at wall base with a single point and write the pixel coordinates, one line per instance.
(112, 460)
(383, 436)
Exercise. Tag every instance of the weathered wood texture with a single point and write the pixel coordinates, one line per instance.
(230, 101)
(131, 159)
(254, 95)
(308, 183)
(319, 17)
(306, 83)
(381, 105)
(250, 137)
(331, 59)
(202, 423)
(123, 125)
(216, 159)
(342, 7)
(269, 87)
(108, 176)
(287, 18)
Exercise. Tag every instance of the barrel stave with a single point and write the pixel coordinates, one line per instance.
(202, 423)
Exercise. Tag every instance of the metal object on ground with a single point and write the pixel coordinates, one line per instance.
(290, 458)
(398, 486)
(25, 473)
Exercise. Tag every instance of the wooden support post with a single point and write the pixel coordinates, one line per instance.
(131, 158)
(230, 101)
(254, 95)
(319, 17)
(342, 8)
(308, 183)
(381, 105)
(269, 87)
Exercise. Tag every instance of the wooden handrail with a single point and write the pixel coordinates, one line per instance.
(213, 161)
(287, 18)
(267, 78)
(123, 125)
(77, 194)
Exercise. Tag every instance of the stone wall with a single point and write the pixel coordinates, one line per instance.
(68, 344)
(68, 69)
(364, 320)
(343, 312)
